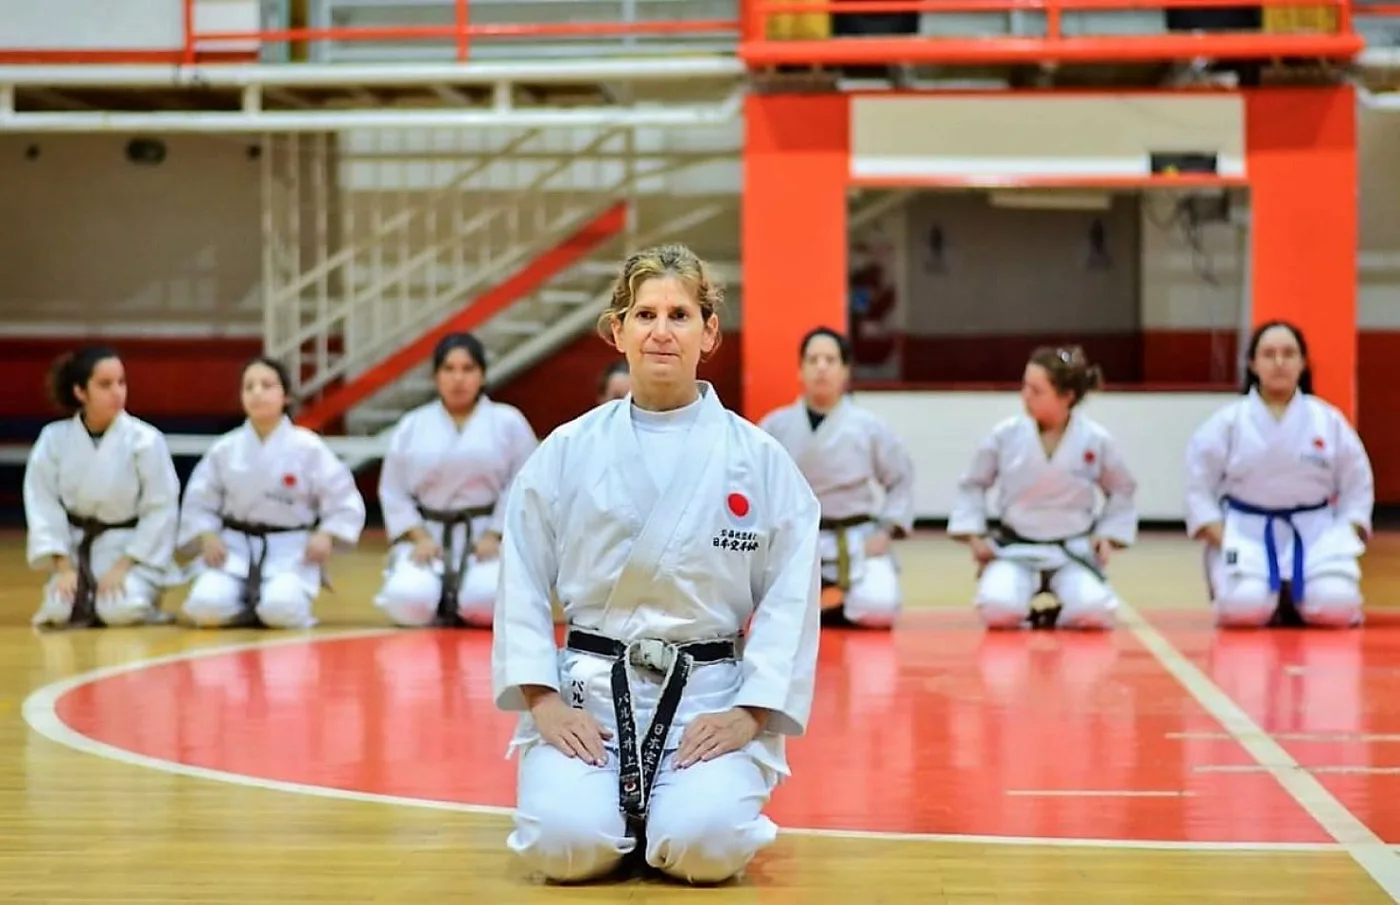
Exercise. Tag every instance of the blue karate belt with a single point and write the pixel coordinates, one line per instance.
(1271, 545)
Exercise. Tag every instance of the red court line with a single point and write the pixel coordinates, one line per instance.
(941, 728)
(1321, 694)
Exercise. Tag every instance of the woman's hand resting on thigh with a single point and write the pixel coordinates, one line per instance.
(712, 734)
(569, 729)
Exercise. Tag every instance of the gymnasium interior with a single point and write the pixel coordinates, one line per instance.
(951, 183)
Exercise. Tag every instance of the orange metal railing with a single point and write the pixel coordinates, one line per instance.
(461, 31)
(761, 40)
(766, 41)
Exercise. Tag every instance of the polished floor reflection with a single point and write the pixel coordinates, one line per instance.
(945, 764)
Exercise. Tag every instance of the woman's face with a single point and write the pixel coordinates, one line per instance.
(1278, 362)
(264, 397)
(1043, 402)
(104, 397)
(459, 380)
(664, 333)
(824, 374)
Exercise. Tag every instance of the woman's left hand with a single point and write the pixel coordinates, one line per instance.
(488, 547)
(318, 548)
(1104, 550)
(711, 735)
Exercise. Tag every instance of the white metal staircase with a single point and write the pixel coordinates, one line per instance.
(376, 237)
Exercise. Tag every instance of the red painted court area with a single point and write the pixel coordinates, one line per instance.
(939, 728)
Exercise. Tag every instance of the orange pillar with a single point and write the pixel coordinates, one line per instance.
(1302, 165)
(794, 242)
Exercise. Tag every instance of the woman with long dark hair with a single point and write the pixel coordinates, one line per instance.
(443, 487)
(101, 500)
(264, 510)
(1280, 490)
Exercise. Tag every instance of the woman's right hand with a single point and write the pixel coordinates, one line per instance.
(982, 551)
(425, 550)
(1213, 534)
(66, 588)
(212, 549)
(570, 729)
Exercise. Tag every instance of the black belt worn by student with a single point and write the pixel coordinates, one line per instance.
(252, 588)
(454, 568)
(639, 759)
(84, 612)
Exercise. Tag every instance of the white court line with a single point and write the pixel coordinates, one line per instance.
(40, 713)
(1339, 769)
(1367, 849)
(1100, 793)
(1321, 737)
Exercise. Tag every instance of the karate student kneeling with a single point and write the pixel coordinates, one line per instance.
(666, 524)
(264, 510)
(1280, 490)
(1051, 465)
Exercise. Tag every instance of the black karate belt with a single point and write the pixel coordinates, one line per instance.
(843, 548)
(637, 764)
(1046, 618)
(454, 568)
(84, 612)
(252, 588)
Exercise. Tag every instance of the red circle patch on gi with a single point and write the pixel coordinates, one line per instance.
(740, 510)
(1089, 457)
(1318, 443)
(289, 480)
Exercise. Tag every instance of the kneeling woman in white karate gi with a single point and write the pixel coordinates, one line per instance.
(263, 510)
(1280, 489)
(101, 501)
(1052, 463)
(846, 453)
(443, 489)
(666, 525)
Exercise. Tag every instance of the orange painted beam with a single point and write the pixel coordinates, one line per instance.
(1012, 51)
(795, 241)
(1302, 161)
(528, 279)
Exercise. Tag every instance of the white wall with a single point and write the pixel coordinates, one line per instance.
(976, 268)
(117, 25)
(91, 237)
(943, 430)
(90, 240)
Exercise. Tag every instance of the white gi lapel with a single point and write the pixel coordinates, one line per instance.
(81, 482)
(815, 452)
(660, 509)
(110, 466)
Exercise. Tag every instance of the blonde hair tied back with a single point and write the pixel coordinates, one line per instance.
(661, 261)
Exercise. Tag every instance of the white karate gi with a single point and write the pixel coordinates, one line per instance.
(863, 477)
(127, 474)
(291, 480)
(1055, 501)
(432, 464)
(680, 526)
(1311, 457)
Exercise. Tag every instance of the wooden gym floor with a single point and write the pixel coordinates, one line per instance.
(1165, 762)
